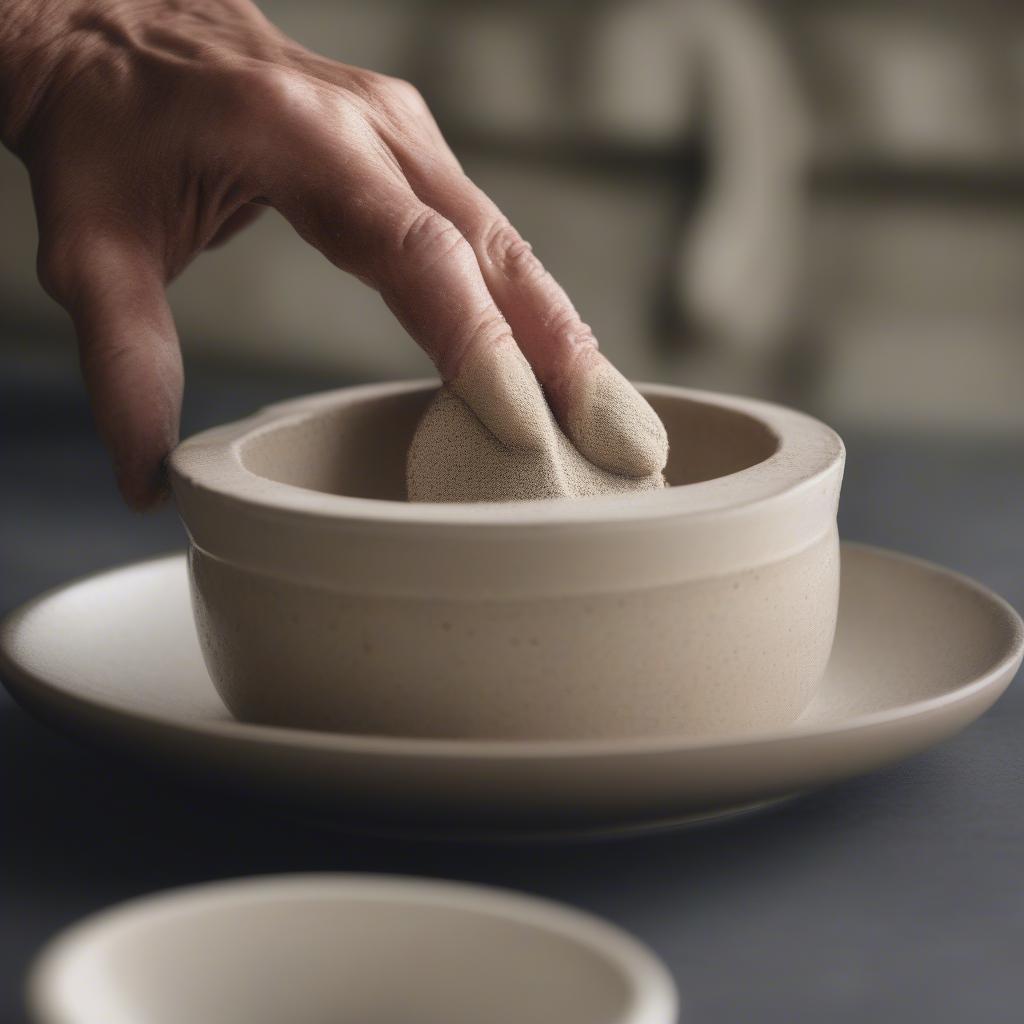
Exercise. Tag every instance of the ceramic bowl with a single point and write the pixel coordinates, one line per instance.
(325, 600)
(309, 949)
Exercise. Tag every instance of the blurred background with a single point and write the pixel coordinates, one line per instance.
(809, 200)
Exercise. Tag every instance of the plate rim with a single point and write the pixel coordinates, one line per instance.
(21, 681)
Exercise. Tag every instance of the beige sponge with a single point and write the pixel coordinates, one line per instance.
(491, 436)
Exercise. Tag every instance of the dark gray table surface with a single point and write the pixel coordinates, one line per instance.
(896, 897)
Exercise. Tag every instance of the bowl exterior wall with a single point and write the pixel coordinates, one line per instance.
(719, 654)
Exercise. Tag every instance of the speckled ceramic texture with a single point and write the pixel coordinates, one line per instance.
(325, 601)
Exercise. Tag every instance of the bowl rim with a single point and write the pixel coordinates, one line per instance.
(651, 994)
(210, 465)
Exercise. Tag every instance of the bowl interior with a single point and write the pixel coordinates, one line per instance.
(311, 958)
(359, 448)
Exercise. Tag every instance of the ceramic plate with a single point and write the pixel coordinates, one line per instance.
(920, 652)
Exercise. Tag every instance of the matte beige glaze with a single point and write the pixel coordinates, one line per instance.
(325, 601)
(356, 949)
(753, 646)
(919, 653)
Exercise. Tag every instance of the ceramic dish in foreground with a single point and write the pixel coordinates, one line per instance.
(920, 652)
(313, 948)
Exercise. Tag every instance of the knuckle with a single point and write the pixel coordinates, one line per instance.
(274, 91)
(428, 237)
(374, 90)
(365, 81)
(58, 265)
(51, 269)
(568, 331)
(491, 328)
(510, 253)
(82, 256)
(277, 113)
(406, 92)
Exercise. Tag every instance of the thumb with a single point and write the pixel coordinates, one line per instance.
(113, 287)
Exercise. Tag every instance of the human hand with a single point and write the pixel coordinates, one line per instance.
(153, 129)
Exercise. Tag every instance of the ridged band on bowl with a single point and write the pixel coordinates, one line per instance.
(506, 550)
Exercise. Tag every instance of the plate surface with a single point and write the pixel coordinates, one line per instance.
(920, 652)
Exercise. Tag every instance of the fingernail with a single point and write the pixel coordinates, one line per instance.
(612, 424)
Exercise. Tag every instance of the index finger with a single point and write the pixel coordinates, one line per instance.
(607, 419)
(360, 212)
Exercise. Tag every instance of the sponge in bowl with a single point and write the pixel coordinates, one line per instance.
(490, 435)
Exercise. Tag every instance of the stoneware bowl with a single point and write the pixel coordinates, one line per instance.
(325, 600)
(310, 949)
